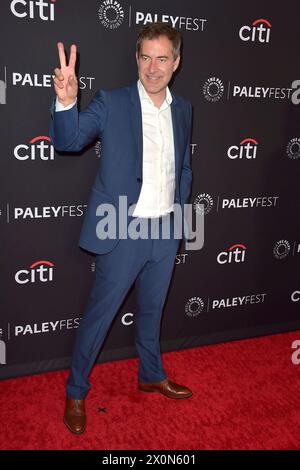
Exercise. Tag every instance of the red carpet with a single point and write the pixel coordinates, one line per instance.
(246, 396)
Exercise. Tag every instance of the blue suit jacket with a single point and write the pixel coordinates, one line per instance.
(115, 118)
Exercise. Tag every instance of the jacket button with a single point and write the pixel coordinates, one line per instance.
(139, 180)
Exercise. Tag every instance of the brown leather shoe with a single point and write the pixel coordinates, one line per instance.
(167, 388)
(75, 417)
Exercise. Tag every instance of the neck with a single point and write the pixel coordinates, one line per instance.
(158, 98)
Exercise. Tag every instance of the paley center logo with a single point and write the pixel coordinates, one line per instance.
(258, 31)
(214, 90)
(38, 148)
(234, 254)
(111, 14)
(195, 305)
(293, 148)
(40, 271)
(204, 202)
(33, 9)
(283, 248)
(246, 149)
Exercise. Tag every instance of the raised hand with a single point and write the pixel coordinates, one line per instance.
(65, 81)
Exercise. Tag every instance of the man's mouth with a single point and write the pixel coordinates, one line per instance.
(152, 78)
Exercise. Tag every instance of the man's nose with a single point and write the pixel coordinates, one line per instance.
(152, 66)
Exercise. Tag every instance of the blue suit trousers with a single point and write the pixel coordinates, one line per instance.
(147, 262)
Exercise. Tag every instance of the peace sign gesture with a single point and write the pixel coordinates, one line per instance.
(65, 81)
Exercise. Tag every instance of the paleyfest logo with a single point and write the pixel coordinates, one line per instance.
(213, 91)
(111, 14)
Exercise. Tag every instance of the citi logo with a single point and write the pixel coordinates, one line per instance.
(41, 271)
(38, 148)
(246, 149)
(33, 9)
(259, 31)
(234, 254)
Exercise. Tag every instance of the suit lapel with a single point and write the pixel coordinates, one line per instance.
(137, 125)
(175, 111)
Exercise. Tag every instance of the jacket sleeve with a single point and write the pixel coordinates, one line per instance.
(70, 130)
(186, 174)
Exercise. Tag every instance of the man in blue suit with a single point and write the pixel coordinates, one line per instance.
(145, 157)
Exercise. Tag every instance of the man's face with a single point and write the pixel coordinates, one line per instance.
(156, 64)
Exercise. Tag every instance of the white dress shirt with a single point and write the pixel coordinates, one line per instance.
(158, 187)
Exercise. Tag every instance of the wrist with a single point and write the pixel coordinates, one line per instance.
(67, 102)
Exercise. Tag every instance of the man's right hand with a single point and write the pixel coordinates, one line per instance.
(65, 81)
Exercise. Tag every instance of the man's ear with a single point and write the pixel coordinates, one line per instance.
(176, 63)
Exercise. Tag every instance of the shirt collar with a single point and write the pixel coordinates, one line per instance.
(144, 95)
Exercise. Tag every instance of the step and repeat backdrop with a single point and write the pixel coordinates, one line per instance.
(240, 70)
